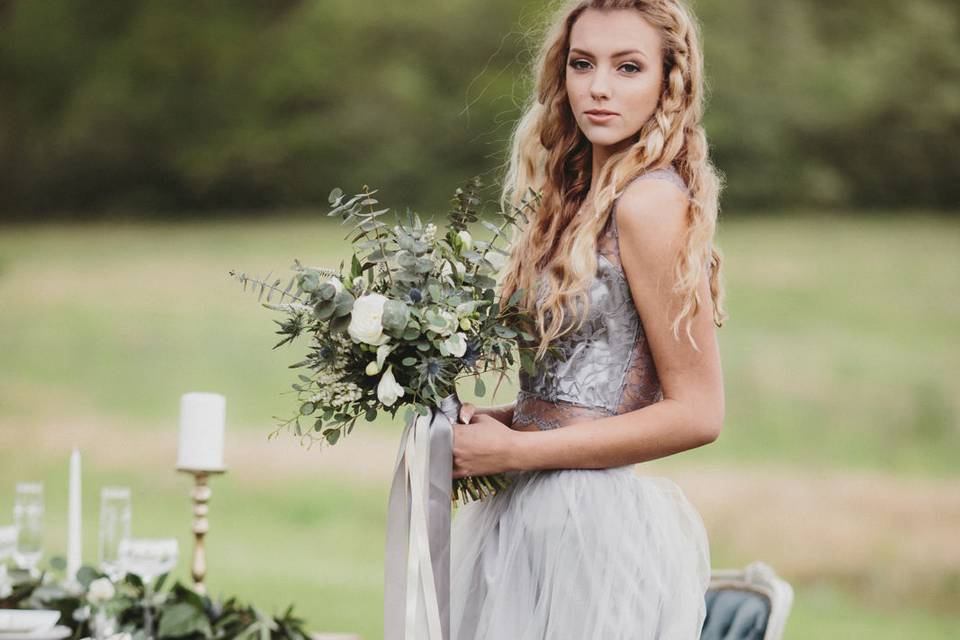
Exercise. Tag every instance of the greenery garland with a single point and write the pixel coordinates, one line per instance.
(118, 607)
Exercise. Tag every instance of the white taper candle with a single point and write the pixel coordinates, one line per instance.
(74, 522)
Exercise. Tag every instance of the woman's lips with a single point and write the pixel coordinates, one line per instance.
(600, 117)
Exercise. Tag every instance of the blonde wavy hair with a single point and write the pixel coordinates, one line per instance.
(550, 155)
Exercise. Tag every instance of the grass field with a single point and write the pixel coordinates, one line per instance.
(837, 464)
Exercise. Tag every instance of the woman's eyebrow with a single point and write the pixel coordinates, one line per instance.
(615, 55)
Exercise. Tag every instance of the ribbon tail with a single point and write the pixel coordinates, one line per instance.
(398, 531)
(418, 528)
(439, 507)
(420, 534)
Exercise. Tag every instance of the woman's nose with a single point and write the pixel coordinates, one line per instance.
(599, 86)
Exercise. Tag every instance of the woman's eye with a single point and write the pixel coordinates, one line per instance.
(574, 63)
(635, 68)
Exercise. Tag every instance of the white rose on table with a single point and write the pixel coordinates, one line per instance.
(101, 590)
(455, 345)
(388, 391)
(366, 319)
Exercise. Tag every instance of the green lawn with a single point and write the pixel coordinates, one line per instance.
(841, 352)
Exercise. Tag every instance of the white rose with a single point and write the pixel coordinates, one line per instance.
(388, 391)
(455, 345)
(101, 590)
(365, 319)
(451, 322)
(372, 368)
(467, 240)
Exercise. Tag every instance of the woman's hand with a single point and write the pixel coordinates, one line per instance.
(481, 447)
(466, 412)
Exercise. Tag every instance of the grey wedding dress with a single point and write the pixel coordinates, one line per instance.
(581, 554)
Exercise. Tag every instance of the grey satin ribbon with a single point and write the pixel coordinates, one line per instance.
(439, 483)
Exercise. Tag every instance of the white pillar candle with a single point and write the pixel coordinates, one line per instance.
(74, 543)
(202, 417)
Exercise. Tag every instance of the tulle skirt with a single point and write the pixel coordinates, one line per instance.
(579, 554)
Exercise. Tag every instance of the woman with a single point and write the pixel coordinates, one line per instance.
(617, 257)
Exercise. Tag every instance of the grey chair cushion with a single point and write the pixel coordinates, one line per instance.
(735, 614)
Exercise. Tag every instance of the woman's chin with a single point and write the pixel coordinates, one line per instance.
(605, 138)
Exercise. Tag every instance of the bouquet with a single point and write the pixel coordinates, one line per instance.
(416, 311)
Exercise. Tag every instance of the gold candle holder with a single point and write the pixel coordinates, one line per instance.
(201, 495)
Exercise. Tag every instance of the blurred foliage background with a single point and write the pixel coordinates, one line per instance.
(148, 147)
(147, 108)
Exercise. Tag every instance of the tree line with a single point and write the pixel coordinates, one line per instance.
(153, 109)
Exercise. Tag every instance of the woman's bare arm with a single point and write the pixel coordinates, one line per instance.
(651, 218)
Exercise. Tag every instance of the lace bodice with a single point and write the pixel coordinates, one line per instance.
(606, 367)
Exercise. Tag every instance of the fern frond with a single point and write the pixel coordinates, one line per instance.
(265, 286)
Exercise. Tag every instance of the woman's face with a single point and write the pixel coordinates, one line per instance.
(614, 64)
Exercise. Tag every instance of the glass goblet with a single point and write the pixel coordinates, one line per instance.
(8, 542)
(115, 519)
(148, 558)
(28, 520)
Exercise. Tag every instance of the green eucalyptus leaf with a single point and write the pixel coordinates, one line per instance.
(324, 310)
(424, 265)
(326, 291)
(526, 361)
(309, 281)
(395, 315)
(182, 619)
(340, 323)
(504, 332)
(344, 303)
(86, 575)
